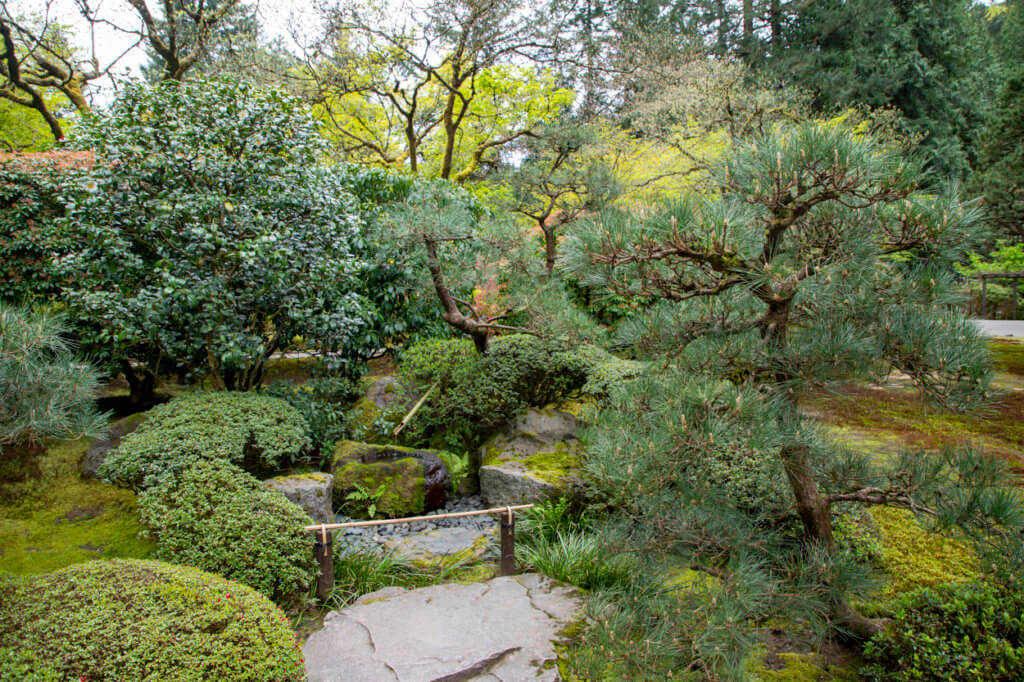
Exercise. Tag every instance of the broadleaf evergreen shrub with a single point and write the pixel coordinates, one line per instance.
(147, 621)
(322, 402)
(257, 431)
(961, 632)
(216, 517)
(30, 202)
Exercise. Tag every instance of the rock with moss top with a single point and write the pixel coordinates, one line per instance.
(535, 459)
(311, 492)
(395, 481)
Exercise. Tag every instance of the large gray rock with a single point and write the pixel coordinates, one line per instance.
(535, 459)
(108, 442)
(504, 630)
(312, 492)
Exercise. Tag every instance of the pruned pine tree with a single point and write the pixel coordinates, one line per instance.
(817, 258)
(45, 392)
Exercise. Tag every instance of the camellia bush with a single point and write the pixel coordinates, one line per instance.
(208, 235)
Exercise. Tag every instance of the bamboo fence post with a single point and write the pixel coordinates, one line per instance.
(324, 550)
(508, 543)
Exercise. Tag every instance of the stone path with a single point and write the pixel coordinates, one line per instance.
(1000, 327)
(503, 630)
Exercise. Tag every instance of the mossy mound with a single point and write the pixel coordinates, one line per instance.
(147, 621)
(392, 481)
(914, 557)
(54, 517)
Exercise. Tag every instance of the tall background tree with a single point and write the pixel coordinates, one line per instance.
(1001, 162)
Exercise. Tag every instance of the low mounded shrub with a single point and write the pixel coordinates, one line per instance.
(218, 518)
(966, 632)
(145, 621)
(255, 431)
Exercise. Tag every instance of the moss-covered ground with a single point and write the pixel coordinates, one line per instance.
(53, 517)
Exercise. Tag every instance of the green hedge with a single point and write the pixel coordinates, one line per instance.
(969, 632)
(144, 621)
(218, 518)
(255, 431)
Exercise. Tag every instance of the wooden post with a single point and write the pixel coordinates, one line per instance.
(984, 290)
(324, 550)
(508, 543)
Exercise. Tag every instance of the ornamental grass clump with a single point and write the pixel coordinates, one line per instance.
(145, 621)
(255, 431)
(216, 517)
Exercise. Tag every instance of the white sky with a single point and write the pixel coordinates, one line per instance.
(276, 17)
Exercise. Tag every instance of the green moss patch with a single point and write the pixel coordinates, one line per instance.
(553, 466)
(56, 518)
(900, 415)
(1008, 356)
(914, 557)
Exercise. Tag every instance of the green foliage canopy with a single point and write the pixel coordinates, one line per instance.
(208, 235)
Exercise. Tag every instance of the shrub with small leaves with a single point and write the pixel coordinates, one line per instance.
(22, 665)
(146, 621)
(953, 632)
(216, 517)
(257, 431)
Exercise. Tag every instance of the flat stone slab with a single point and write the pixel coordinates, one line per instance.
(503, 630)
(1000, 327)
(431, 545)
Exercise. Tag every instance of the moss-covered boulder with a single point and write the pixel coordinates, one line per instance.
(536, 459)
(147, 621)
(391, 481)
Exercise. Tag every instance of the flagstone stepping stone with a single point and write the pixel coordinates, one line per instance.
(432, 545)
(502, 630)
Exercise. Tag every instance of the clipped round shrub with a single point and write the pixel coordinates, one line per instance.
(218, 518)
(255, 431)
(146, 621)
(23, 665)
(953, 632)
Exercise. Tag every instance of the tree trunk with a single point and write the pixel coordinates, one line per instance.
(813, 507)
(550, 247)
(775, 19)
(140, 389)
(480, 333)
